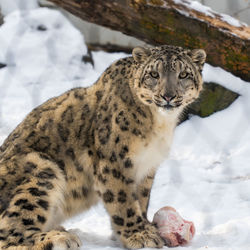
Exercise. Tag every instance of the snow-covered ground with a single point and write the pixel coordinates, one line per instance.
(207, 176)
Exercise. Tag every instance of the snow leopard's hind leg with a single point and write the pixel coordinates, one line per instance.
(30, 204)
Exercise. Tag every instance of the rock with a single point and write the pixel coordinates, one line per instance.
(2, 65)
(213, 98)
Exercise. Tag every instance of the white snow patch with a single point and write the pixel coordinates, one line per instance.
(201, 8)
(195, 5)
(43, 53)
(8, 6)
(232, 21)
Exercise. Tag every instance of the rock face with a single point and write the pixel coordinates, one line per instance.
(173, 228)
(213, 98)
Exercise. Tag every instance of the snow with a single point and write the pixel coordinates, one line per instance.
(8, 6)
(200, 7)
(232, 21)
(207, 175)
(197, 6)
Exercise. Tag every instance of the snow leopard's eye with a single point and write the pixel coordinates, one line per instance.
(183, 75)
(154, 74)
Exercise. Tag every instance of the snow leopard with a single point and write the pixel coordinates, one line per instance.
(100, 143)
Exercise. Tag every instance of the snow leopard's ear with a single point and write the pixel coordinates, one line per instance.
(140, 54)
(198, 57)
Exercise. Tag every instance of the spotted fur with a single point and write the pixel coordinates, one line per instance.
(98, 143)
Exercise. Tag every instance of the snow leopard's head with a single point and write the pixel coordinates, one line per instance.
(168, 77)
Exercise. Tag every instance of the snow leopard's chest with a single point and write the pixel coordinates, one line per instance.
(149, 154)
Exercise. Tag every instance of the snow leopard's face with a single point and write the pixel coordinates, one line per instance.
(168, 77)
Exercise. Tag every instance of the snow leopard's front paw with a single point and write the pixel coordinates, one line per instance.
(149, 237)
(56, 240)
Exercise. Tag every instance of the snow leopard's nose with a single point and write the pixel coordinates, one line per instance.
(168, 98)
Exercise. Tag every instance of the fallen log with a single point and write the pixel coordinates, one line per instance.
(178, 22)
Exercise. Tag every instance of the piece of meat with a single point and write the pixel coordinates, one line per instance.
(172, 228)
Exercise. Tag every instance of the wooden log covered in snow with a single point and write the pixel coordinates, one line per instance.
(178, 22)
